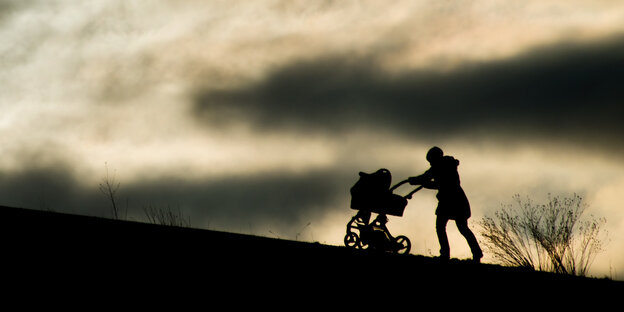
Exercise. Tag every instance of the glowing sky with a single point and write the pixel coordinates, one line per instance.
(256, 116)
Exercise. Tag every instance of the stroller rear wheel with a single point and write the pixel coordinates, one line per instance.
(403, 244)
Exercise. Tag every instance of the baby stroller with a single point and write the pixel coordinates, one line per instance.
(372, 194)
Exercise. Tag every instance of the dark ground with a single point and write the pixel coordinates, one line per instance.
(71, 256)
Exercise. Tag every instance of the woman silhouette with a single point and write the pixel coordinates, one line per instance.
(452, 201)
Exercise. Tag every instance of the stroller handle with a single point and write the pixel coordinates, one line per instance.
(398, 184)
(408, 196)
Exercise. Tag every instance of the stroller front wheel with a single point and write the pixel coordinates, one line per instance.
(352, 240)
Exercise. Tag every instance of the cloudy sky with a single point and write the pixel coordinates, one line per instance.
(256, 116)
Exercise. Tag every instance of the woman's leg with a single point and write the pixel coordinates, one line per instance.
(462, 226)
(445, 250)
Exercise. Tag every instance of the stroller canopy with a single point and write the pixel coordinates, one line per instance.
(372, 193)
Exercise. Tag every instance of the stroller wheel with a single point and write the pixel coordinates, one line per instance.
(352, 240)
(403, 244)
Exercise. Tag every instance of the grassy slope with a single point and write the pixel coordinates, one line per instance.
(56, 250)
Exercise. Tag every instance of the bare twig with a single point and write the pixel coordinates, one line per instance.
(166, 216)
(109, 188)
(548, 237)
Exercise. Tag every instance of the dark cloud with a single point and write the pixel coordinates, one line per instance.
(281, 202)
(53, 187)
(566, 92)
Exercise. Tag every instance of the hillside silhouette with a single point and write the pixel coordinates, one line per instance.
(98, 255)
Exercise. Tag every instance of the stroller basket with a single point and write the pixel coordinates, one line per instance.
(372, 193)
